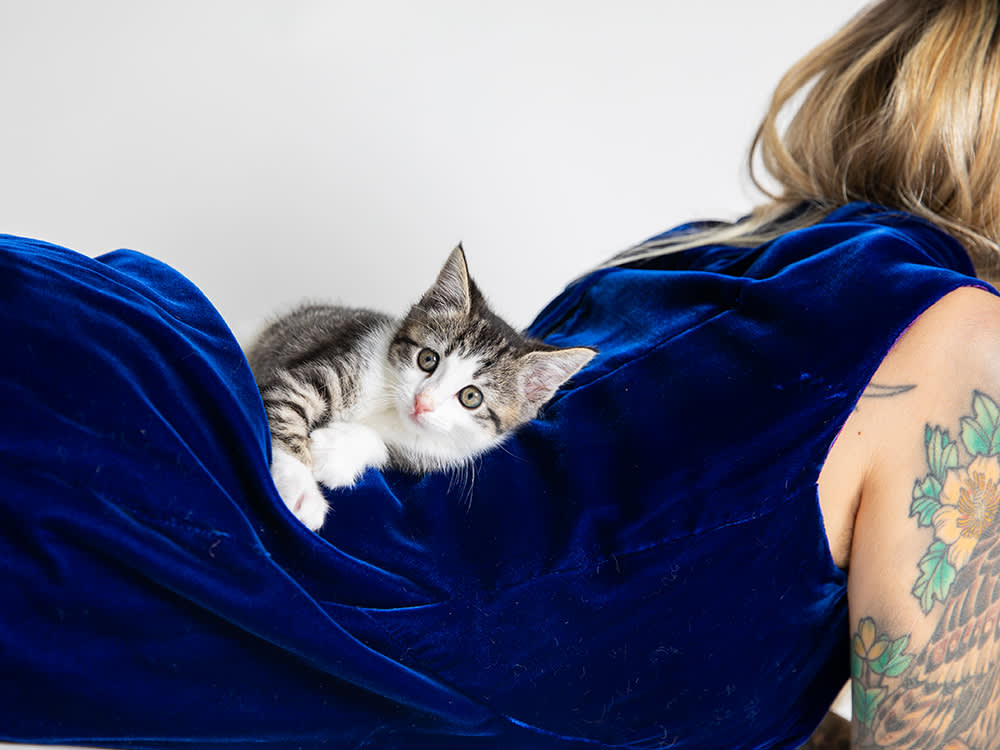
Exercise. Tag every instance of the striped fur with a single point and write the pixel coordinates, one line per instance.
(344, 389)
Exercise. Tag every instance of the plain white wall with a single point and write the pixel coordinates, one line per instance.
(280, 150)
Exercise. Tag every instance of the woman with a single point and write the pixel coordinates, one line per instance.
(648, 565)
(902, 110)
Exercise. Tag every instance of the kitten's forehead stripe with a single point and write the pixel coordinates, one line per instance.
(405, 340)
(499, 357)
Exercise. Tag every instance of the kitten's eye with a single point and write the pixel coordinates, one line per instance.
(427, 360)
(471, 397)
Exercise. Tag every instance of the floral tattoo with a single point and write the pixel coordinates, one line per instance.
(959, 501)
(947, 696)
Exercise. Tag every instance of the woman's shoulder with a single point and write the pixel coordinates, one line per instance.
(924, 591)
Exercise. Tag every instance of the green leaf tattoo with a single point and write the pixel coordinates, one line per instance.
(892, 662)
(936, 576)
(942, 453)
(865, 702)
(925, 499)
(873, 655)
(981, 432)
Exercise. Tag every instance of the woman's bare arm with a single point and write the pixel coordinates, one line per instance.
(924, 580)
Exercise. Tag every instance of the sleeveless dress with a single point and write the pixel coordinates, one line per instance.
(644, 566)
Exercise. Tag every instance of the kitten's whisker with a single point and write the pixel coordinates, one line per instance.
(470, 490)
(503, 447)
(461, 477)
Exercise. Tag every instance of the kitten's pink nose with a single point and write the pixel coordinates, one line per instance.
(422, 403)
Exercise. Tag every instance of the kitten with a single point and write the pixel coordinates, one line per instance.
(347, 389)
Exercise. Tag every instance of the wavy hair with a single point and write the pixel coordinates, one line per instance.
(900, 108)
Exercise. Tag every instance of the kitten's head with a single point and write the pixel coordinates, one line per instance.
(463, 377)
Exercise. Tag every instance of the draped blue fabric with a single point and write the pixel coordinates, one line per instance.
(644, 566)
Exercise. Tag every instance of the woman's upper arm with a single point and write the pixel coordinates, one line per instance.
(924, 580)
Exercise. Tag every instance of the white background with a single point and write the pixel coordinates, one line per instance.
(279, 150)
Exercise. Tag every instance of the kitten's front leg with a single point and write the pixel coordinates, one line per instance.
(342, 451)
(298, 488)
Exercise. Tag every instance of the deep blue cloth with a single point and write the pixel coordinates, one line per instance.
(644, 566)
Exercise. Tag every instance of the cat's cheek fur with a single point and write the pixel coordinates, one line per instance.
(298, 489)
(342, 451)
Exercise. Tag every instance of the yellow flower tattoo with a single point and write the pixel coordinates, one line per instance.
(969, 501)
(959, 497)
(866, 647)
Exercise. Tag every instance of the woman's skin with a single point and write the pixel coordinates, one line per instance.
(909, 492)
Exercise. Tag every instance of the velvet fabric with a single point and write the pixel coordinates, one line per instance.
(644, 566)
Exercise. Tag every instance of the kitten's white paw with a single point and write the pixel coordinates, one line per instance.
(343, 450)
(298, 489)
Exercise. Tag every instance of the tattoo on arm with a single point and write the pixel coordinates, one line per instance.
(874, 390)
(947, 696)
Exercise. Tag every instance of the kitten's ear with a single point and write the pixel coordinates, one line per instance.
(542, 372)
(450, 292)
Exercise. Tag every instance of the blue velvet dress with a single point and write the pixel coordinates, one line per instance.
(644, 566)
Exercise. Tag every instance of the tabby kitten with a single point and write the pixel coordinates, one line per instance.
(347, 389)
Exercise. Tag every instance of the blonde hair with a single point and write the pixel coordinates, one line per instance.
(900, 108)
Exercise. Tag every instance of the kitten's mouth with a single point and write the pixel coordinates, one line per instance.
(423, 421)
